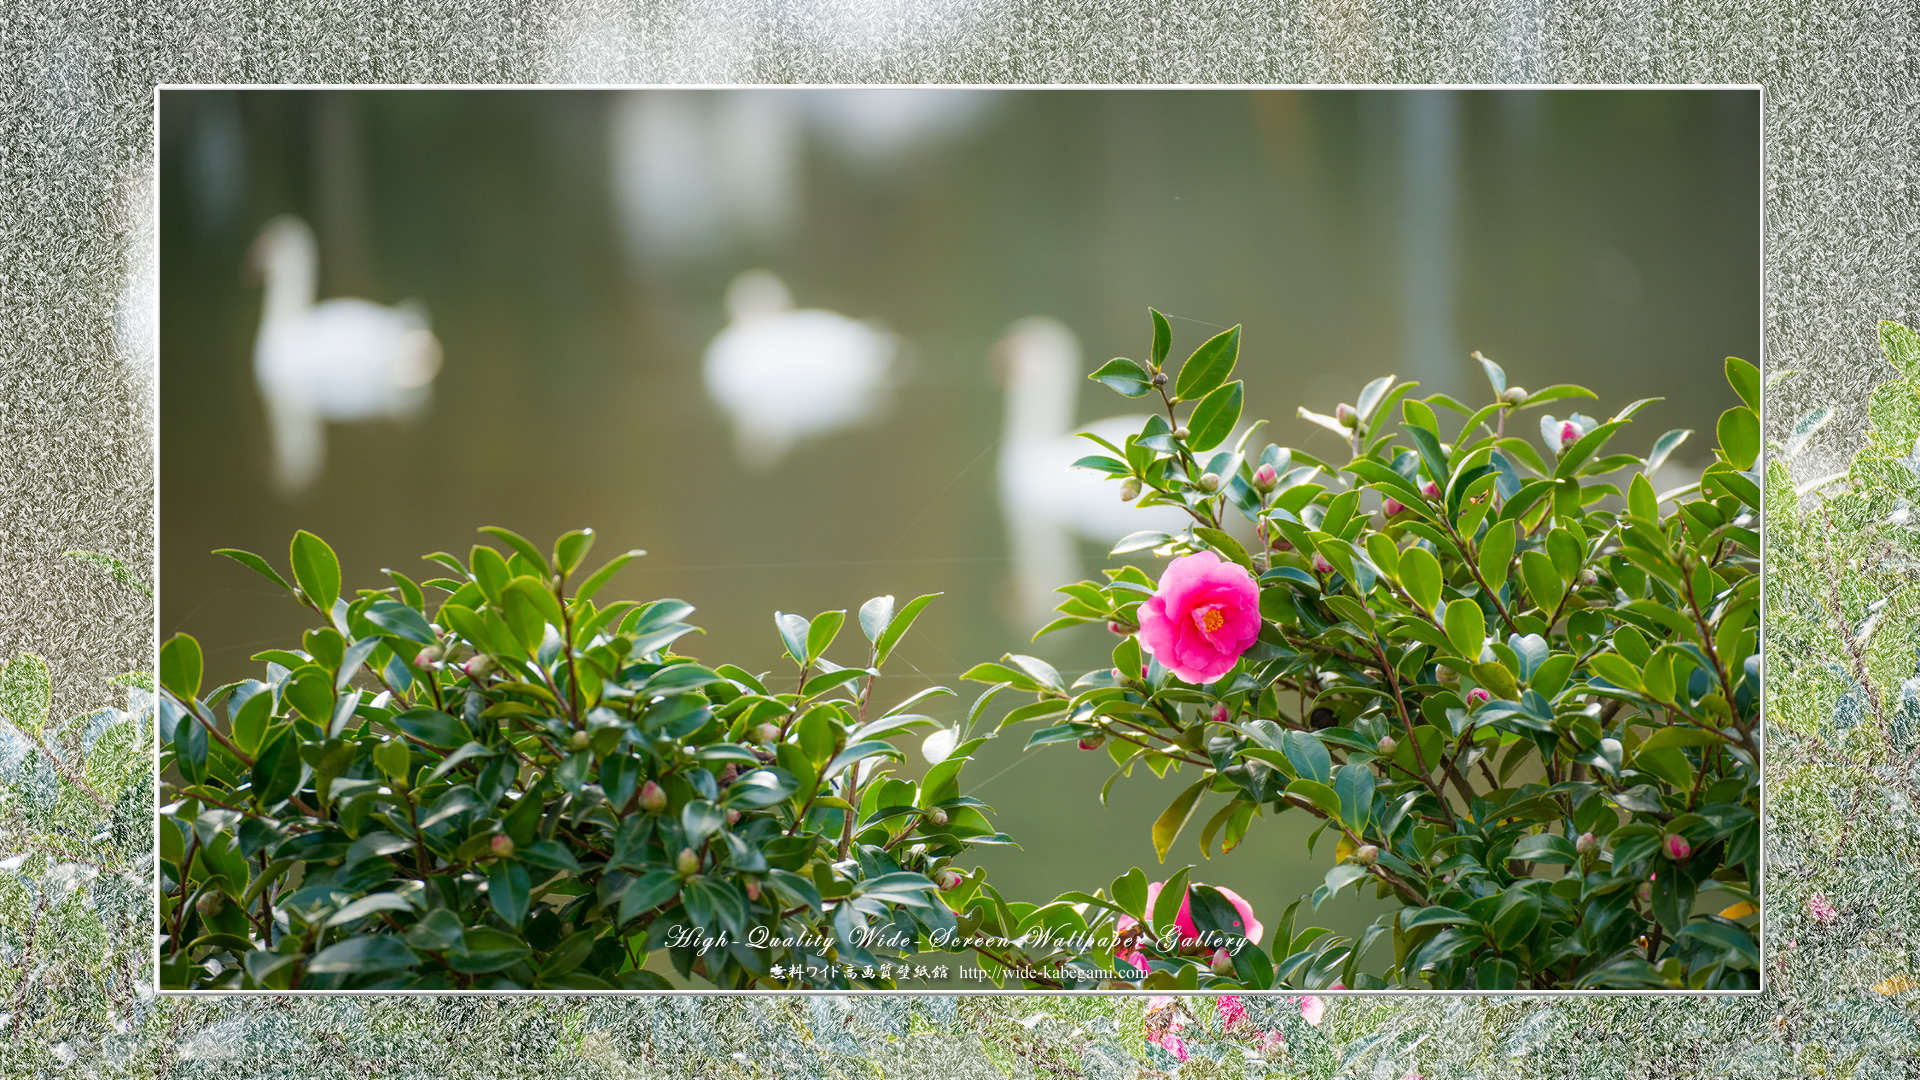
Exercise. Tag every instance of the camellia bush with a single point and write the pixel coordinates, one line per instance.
(524, 790)
(1518, 685)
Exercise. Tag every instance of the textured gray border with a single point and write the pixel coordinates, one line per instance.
(1843, 179)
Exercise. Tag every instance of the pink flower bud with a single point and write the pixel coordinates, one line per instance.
(1394, 508)
(1677, 847)
(428, 658)
(1129, 489)
(733, 816)
(1645, 893)
(1093, 742)
(1366, 854)
(1210, 481)
(1265, 478)
(1119, 628)
(1569, 433)
(1345, 414)
(948, 879)
(1222, 963)
(1181, 433)
(1822, 911)
(653, 797)
(767, 734)
(1321, 565)
(1118, 676)
(1477, 697)
(935, 816)
(478, 667)
(688, 864)
(1386, 745)
(1281, 543)
(1430, 489)
(211, 903)
(1587, 844)
(1514, 395)
(753, 890)
(1219, 713)
(501, 845)
(1588, 577)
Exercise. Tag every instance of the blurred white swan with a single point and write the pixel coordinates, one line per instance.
(1045, 501)
(783, 375)
(339, 360)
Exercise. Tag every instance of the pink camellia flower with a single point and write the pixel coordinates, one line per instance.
(1246, 924)
(1232, 1011)
(1205, 614)
(1569, 433)
(1172, 1043)
(1822, 911)
(1312, 1008)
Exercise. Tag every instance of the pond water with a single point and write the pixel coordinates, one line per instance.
(573, 251)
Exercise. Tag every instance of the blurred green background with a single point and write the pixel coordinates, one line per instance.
(573, 250)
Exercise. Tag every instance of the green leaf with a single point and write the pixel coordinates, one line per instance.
(277, 767)
(520, 544)
(1174, 817)
(1209, 365)
(600, 577)
(570, 549)
(1496, 375)
(875, 614)
(1123, 375)
(1616, 670)
(1213, 418)
(316, 569)
(1166, 906)
(179, 669)
(1745, 380)
(1555, 393)
(822, 630)
(1318, 794)
(1130, 892)
(255, 563)
(1308, 756)
(507, 890)
(646, 892)
(1162, 337)
(1664, 446)
(113, 566)
(897, 628)
(1543, 580)
(432, 727)
(369, 905)
(1420, 574)
(26, 690)
(1739, 431)
(190, 748)
(486, 949)
(1354, 788)
(1466, 628)
(401, 621)
(1496, 553)
(363, 954)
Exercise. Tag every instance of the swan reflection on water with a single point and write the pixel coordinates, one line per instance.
(783, 376)
(339, 360)
(1049, 505)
